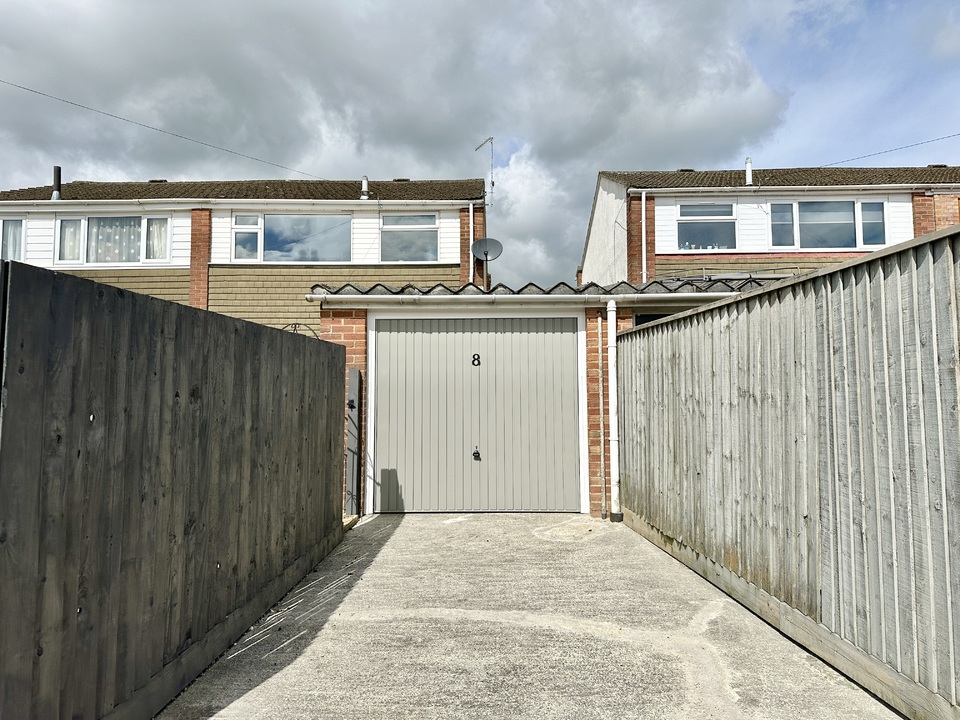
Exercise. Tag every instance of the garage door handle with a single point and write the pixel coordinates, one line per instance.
(476, 454)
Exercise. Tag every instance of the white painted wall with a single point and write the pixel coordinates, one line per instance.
(605, 258)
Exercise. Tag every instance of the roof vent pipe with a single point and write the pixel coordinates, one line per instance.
(749, 171)
(56, 183)
(364, 188)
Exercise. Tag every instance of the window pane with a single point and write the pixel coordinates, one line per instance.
(156, 239)
(706, 210)
(10, 246)
(247, 220)
(408, 245)
(781, 224)
(113, 240)
(245, 245)
(873, 233)
(69, 240)
(306, 238)
(827, 225)
(409, 220)
(707, 235)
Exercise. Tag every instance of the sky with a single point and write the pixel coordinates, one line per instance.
(566, 88)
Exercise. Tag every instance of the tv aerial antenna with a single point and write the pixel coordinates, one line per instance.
(489, 140)
(486, 249)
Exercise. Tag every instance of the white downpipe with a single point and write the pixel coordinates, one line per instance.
(643, 233)
(616, 514)
(470, 250)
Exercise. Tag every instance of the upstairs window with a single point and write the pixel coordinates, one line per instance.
(827, 225)
(274, 238)
(707, 226)
(409, 238)
(113, 240)
(11, 239)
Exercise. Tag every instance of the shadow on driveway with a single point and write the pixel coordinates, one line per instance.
(281, 636)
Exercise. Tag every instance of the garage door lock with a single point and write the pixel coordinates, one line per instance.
(476, 454)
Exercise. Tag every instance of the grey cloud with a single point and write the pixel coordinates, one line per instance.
(388, 90)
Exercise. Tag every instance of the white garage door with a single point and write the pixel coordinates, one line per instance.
(477, 414)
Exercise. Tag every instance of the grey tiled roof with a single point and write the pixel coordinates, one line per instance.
(788, 177)
(651, 288)
(257, 190)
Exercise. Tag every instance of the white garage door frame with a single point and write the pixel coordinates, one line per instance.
(470, 313)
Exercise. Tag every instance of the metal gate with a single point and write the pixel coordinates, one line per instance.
(476, 414)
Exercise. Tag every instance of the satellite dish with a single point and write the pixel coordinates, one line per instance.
(486, 249)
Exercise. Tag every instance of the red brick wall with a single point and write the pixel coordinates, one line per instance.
(598, 426)
(946, 210)
(199, 258)
(635, 240)
(349, 328)
(923, 217)
(471, 269)
(934, 212)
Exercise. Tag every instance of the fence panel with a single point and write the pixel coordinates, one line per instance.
(166, 475)
(800, 447)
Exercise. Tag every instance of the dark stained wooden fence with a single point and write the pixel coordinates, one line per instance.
(800, 448)
(166, 475)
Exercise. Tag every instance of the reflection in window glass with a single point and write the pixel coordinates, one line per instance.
(873, 232)
(827, 225)
(781, 223)
(404, 238)
(707, 210)
(306, 238)
(409, 220)
(246, 220)
(245, 245)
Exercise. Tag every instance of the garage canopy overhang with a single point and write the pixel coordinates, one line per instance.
(657, 296)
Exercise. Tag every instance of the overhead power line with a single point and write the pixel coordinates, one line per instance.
(156, 129)
(884, 152)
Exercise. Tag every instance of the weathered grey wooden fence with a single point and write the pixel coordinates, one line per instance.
(800, 447)
(166, 475)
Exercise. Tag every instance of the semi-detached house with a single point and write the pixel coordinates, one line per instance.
(495, 400)
(650, 225)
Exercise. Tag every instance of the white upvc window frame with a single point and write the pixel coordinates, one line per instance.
(858, 203)
(143, 260)
(260, 228)
(705, 203)
(410, 228)
(237, 227)
(23, 235)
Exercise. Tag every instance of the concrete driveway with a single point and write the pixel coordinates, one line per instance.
(513, 616)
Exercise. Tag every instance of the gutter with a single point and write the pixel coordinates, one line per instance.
(791, 189)
(233, 203)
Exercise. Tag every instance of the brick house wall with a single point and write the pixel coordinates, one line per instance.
(349, 328)
(598, 423)
(471, 269)
(934, 212)
(635, 212)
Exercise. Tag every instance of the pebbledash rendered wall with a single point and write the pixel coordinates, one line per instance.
(166, 475)
(800, 448)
